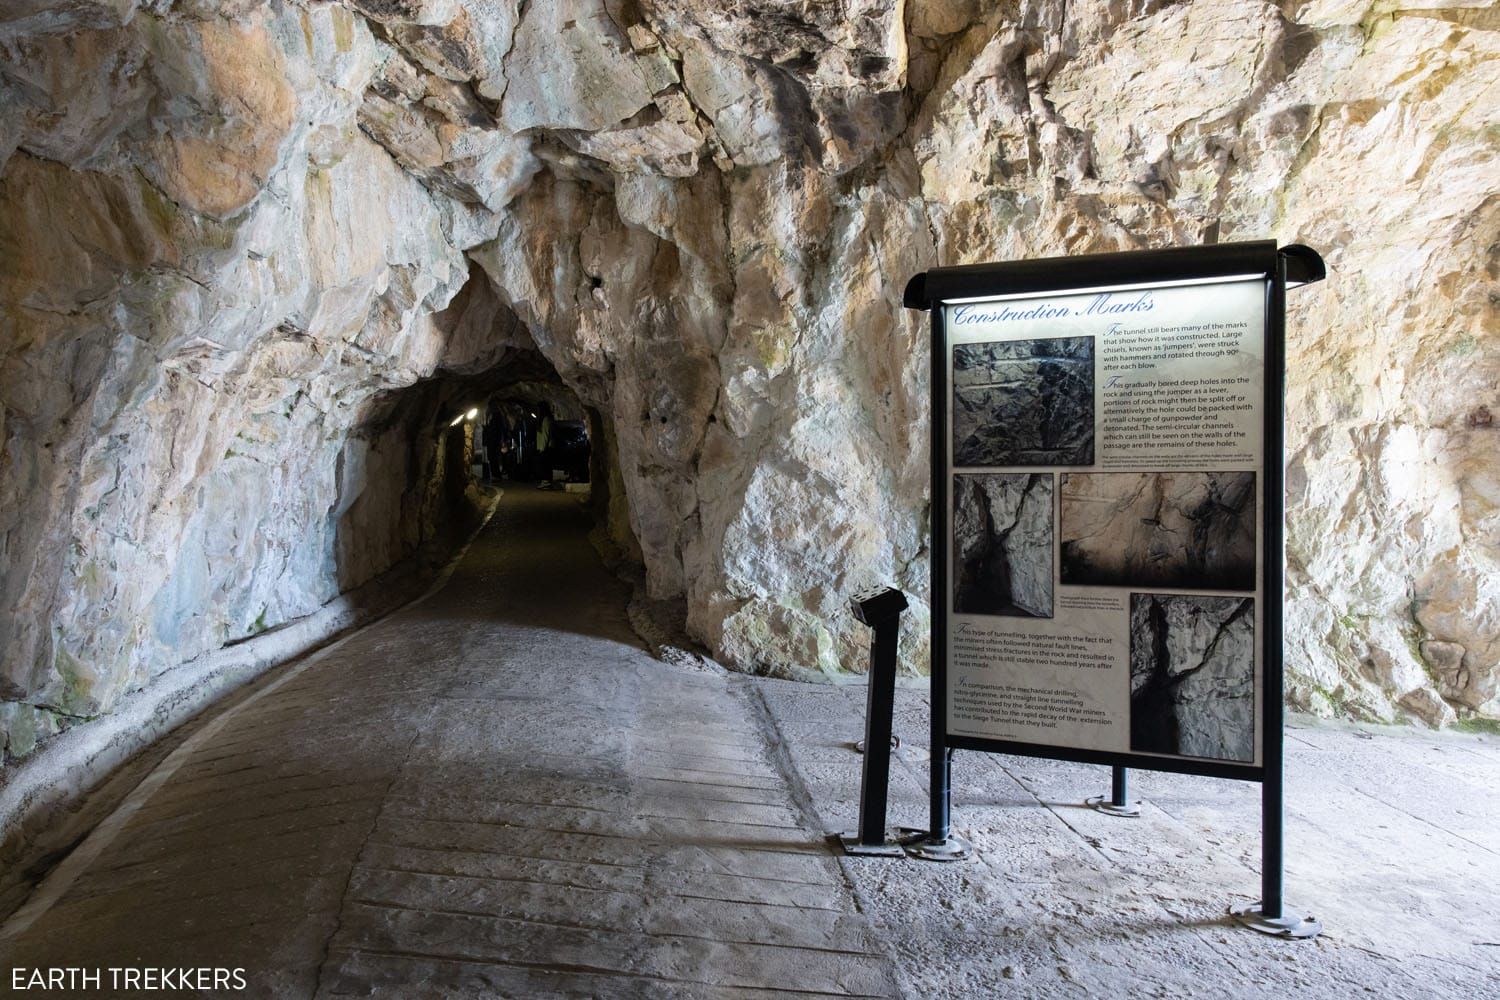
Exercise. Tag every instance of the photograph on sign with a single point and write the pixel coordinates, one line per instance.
(1002, 544)
(1192, 676)
(1159, 529)
(1024, 402)
(1112, 603)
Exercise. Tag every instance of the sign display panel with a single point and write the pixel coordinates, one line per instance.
(1104, 510)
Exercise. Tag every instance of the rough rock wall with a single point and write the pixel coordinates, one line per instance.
(243, 218)
(214, 286)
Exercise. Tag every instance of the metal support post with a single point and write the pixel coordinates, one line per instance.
(1273, 846)
(1273, 916)
(1118, 803)
(938, 842)
(881, 610)
(941, 779)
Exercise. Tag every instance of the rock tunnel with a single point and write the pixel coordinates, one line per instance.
(301, 301)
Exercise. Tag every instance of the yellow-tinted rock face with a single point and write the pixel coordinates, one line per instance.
(228, 233)
(232, 107)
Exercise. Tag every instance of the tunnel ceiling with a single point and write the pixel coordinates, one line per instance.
(533, 392)
(227, 229)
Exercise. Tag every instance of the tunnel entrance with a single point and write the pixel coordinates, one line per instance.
(422, 462)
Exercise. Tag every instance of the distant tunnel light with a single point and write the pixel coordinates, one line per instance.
(472, 414)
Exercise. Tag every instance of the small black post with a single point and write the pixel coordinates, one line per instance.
(1118, 803)
(881, 610)
(879, 708)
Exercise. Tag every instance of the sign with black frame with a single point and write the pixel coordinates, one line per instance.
(1107, 497)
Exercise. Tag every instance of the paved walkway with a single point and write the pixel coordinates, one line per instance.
(495, 792)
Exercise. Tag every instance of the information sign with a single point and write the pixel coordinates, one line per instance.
(1107, 497)
(1108, 460)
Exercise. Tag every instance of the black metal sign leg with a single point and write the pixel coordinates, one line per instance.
(939, 842)
(882, 612)
(941, 817)
(1118, 803)
(1273, 916)
(1272, 857)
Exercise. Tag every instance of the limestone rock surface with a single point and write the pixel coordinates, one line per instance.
(231, 236)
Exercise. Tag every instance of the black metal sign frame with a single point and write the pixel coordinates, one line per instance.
(1278, 268)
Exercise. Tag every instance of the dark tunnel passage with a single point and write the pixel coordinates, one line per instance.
(425, 462)
(501, 441)
(528, 439)
(336, 661)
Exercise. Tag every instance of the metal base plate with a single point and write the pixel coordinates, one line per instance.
(890, 849)
(1106, 806)
(1290, 924)
(859, 745)
(955, 848)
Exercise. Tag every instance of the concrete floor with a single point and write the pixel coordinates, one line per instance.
(1393, 843)
(497, 792)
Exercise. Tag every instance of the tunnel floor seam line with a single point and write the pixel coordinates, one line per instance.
(563, 969)
(354, 868)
